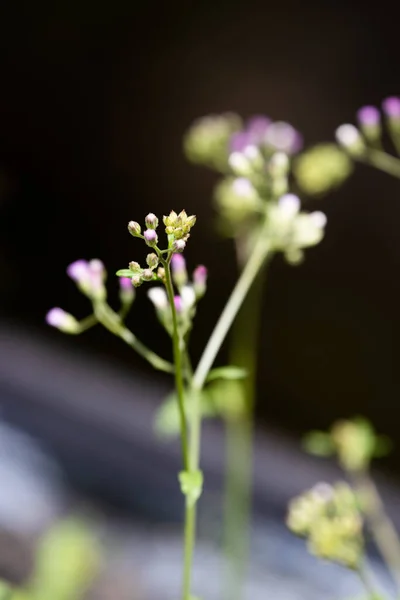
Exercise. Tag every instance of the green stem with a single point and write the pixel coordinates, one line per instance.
(87, 323)
(366, 580)
(228, 315)
(238, 444)
(381, 526)
(178, 362)
(382, 161)
(189, 544)
(111, 321)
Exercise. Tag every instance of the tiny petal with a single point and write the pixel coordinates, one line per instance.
(391, 107)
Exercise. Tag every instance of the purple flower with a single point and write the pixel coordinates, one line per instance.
(79, 271)
(178, 263)
(368, 116)
(239, 141)
(89, 276)
(391, 107)
(179, 273)
(150, 237)
(200, 280)
(256, 128)
(283, 137)
(178, 304)
(252, 135)
(58, 318)
(125, 283)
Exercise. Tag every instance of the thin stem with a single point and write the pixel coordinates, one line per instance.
(177, 350)
(366, 581)
(381, 526)
(383, 161)
(111, 321)
(189, 544)
(87, 323)
(249, 273)
(238, 444)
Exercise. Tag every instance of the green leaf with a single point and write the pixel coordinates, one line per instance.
(229, 373)
(167, 419)
(191, 484)
(228, 398)
(318, 443)
(67, 561)
(124, 273)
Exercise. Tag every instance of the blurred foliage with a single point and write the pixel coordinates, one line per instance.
(67, 561)
(354, 442)
(322, 168)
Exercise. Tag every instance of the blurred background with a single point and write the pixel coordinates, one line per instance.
(95, 99)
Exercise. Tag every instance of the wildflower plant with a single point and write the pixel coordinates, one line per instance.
(256, 208)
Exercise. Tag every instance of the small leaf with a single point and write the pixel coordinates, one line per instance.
(318, 443)
(228, 398)
(167, 419)
(124, 273)
(191, 484)
(229, 373)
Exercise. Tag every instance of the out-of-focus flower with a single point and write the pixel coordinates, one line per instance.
(158, 297)
(179, 272)
(290, 230)
(126, 291)
(349, 137)
(354, 441)
(329, 518)
(200, 281)
(58, 318)
(391, 107)
(237, 200)
(281, 136)
(368, 115)
(322, 168)
(89, 277)
(252, 135)
(207, 141)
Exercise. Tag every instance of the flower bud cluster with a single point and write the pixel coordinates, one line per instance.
(189, 293)
(355, 141)
(329, 518)
(178, 227)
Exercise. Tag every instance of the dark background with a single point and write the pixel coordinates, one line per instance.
(94, 101)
